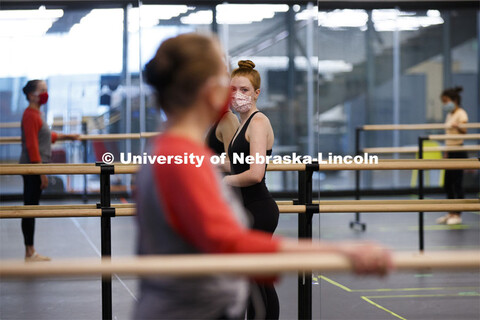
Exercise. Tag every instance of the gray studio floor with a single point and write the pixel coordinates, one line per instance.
(405, 295)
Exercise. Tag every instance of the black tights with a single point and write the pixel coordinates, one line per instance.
(269, 301)
(31, 196)
(454, 178)
(265, 216)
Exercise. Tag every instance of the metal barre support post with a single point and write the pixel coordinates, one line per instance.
(305, 197)
(421, 233)
(357, 221)
(106, 235)
(85, 160)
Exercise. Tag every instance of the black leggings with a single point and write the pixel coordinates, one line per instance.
(265, 218)
(454, 178)
(31, 196)
(269, 301)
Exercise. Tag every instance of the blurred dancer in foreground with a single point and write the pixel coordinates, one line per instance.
(185, 208)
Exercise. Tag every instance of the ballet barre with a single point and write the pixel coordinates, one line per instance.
(473, 136)
(305, 198)
(63, 213)
(92, 137)
(146, 135)
(419, 126)
(78, 211)
(118, 168)
(390, 127)
(383, 164)
(278, 202)
(428, 126)
(233, 264)
(425, 149)
(6, 125)
(382, 202)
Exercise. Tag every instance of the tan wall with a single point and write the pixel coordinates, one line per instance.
(433, 70)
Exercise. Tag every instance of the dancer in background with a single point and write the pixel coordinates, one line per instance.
(254, 136)
(36, 148)
(456, 116)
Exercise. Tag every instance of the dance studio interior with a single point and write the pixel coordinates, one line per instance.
(392, 81)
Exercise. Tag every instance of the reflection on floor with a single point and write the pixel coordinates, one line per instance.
(405, 295)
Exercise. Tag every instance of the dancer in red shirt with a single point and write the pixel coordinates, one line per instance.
(36, 148)
(186, 209)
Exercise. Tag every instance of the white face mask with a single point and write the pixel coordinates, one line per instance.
(241, 102)
(449, 106)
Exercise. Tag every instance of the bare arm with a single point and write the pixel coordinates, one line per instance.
(366, 257)
(258, 133)
(226, 129)
(460, 129)
(61, 136)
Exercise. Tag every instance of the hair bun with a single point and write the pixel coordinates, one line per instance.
(246, 64)
(458, 89)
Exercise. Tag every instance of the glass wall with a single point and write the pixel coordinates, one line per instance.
(325, 71)
(392, 65)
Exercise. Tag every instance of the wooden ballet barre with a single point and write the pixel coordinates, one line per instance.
(425, 126)
(383, 164)
(10, 140)
(81, 211)
(237, 264)
(5, 125)
(473, 136)
(92, 137)
(407, 164)
(425, 149)
(286, 205)
(390, 164)
(109, 136)
(382, 202)
(32, 169)
(64, 206)
(149, 134)
(62, 213)
(399, 207)
(54, 124)
(133, 168)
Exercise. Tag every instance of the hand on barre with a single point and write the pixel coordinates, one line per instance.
(368, 257)
(365, 257)
(44, 182)
(460, 129)
(62, 136)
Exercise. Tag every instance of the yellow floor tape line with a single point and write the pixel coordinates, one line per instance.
(461, 294)
(341, 286)
(383, 308)
(413, 289)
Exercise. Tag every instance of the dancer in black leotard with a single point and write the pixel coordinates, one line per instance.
(255, 135)
(256, 198)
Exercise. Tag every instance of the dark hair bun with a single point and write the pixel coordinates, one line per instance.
(158, 72)
(30, 87)
(246, 64)
(458, 89)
